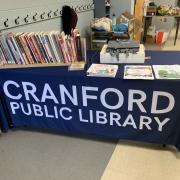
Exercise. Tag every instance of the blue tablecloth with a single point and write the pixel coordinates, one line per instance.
(53, 98)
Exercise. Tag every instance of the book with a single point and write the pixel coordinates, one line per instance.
(74, 34)
(2, 58)
(31, 47)
(78, 47)
(102, 70)
(37, 51)
(61, 46)
(49, 46)
(62, 39)
(72, 43)
(138, 72)
(19, 51)
(24, 45)
(76, 66)
(46, 47)
(6, 51)
(69, 48)
(167, 71)
(53, 45)
(42, 47)
(6, 58)
(59, 49)
(83, 49)
(13, 51)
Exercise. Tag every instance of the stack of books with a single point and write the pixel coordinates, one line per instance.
(42, 47)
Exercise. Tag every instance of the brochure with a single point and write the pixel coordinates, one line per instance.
(167, 71)
(138, 72)
(102, 70)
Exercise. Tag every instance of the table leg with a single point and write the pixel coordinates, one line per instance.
(177, 30)
(164, 145)
(147, 23)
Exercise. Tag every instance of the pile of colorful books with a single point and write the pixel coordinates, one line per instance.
(42, 47)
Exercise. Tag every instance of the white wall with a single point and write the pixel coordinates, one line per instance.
(170, 2)
(119, 6)
(11, 9)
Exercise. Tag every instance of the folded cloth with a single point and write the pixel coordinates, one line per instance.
(122, 27)
(102, 24)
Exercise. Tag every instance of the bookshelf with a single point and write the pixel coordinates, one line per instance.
(98, 39)
(11, 66)
(41, 49)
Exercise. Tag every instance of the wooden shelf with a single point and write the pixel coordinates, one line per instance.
(10, 66)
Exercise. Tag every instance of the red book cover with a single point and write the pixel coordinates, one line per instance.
(64, 48)
(31, 46)
(69, 50)
(36, 49)
(27, 50)
(21, 46)
(159, 38)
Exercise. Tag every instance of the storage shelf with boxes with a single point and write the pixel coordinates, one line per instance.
(102, 30)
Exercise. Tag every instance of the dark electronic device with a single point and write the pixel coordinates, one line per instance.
(122, 46)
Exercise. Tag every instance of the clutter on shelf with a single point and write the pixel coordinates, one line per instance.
(104, 29)
(151, 9)
(101, 24)
(122, 24)
(163, 10)
(126, 24)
